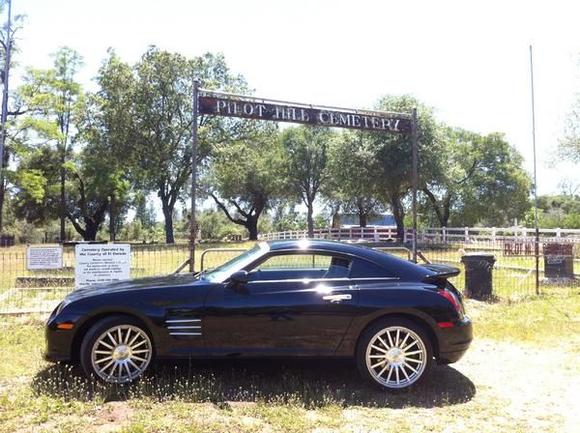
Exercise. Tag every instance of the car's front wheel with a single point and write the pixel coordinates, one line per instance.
(117, 349)
(394, 353)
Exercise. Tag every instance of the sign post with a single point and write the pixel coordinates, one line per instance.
(192, 220)
(415, 179)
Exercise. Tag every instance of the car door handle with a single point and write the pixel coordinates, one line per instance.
(337, 298)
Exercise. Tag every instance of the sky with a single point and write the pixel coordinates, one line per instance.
(469, 60)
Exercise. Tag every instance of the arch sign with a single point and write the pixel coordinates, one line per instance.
(214, 103)
(260, 109)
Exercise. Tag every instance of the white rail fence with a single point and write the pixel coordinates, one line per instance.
(431, 235)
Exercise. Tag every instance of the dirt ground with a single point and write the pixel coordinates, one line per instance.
(538, 387)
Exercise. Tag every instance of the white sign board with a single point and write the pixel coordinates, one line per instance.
(43, 257)
(101, 263)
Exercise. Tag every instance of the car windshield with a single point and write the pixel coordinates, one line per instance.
(221, 273)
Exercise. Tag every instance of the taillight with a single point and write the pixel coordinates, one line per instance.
(451, 297)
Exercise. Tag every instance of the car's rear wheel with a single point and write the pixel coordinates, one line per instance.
(394, 353)
(117, 349)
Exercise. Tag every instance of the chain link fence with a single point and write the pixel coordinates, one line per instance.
(514, 273)
(24, 290)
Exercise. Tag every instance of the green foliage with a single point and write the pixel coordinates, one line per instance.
(476, 180)
(498, 191)
(214, 225)
(391, 172)
(245, 175)
(556, 211)
(161, 152)
(306, 161)
(570, 143)
(352, 169)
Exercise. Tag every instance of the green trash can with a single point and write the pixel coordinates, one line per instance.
(478, 275)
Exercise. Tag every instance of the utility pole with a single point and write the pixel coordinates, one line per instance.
(537, 243)
(8, 48)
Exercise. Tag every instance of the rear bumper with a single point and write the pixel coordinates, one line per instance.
(454, 342)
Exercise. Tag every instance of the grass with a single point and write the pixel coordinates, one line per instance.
(301, 396)
(534, 321)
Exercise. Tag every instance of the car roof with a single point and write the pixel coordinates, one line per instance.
(404, 268)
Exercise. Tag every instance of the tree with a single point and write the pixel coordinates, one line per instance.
(92, 179)
(10, 103)
(106, 121)
(144, 211)
(452, 173)
(499, 189)
(352, 166)
(393, 155)
(570, 144)
(161, 154)
(555, 211)
(480, 180)
(50, 97)
(306, 157)
(245, 177)
(88, 188)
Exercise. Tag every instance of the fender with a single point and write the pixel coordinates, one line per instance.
(418, 302)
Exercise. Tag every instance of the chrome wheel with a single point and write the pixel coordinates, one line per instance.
(396, 357)
(121, 354)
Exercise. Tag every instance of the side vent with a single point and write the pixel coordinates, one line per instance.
(184, 327)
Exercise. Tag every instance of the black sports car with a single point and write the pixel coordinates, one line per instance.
(304, 298)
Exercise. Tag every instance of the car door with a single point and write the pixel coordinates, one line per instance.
(293, 304)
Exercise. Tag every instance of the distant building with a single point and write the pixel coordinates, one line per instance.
(348, 220)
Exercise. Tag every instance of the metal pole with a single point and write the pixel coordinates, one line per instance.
(192, 220)
(415, 180)
(4, 115)
(537, 246)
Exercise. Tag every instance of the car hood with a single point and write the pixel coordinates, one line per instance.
(146, 283)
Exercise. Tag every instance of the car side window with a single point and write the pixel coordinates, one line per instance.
(364, 269)
(294, 266)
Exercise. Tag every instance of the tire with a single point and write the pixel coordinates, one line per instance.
(392, 362)
(116, 349)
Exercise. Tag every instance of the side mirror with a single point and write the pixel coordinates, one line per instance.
(240, 277)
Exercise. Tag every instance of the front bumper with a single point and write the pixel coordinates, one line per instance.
(454, 342)
(58, 342)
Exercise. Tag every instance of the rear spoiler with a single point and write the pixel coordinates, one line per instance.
(440, 271)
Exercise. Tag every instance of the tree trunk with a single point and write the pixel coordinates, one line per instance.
(2, 195)
(251, 225)
(399, 215)
(309, 220)
(441, 212)
(91, 230)
(168, 215)
(362, 218)
(112, 221)
(3, 187)
(62, 202)
(336, 217)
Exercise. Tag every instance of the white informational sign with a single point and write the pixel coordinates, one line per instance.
(101, 263)
(44, 257)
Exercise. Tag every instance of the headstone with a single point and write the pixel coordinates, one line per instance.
(559, 260)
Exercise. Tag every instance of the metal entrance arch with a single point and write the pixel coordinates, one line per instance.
(211, 102)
